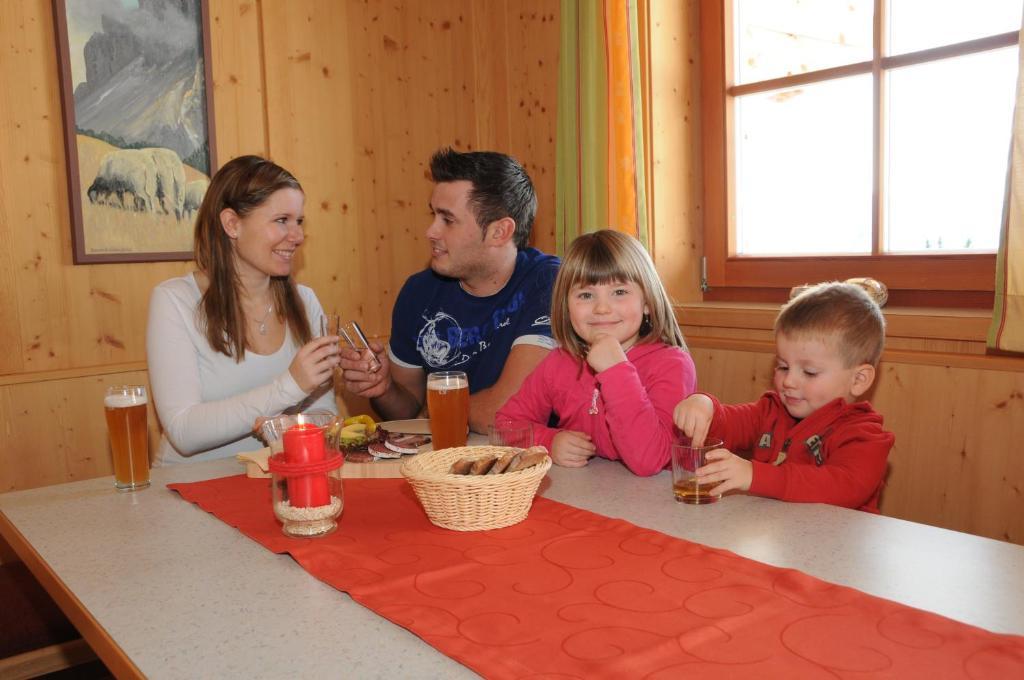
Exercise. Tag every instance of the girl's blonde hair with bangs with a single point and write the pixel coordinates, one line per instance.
(609, 256)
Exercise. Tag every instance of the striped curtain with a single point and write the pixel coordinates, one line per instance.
(1007, 329)
(601, 172)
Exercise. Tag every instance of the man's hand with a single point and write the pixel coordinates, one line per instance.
(693, 416)
(726, 467)
(356, 371)
(572, 449)
(605, 353)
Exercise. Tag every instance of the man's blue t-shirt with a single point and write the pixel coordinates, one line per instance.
(437, 326)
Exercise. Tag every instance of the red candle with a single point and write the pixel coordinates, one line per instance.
(304, 443)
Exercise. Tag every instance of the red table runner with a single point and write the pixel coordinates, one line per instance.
(572, 594)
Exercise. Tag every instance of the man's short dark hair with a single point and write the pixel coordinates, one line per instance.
(501, 187)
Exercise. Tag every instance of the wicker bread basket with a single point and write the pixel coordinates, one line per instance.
(472, 502)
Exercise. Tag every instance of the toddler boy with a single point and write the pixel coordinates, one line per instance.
(810, 440)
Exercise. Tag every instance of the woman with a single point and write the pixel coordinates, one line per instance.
(231, 342)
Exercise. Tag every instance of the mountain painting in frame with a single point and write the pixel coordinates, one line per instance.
(138, 125)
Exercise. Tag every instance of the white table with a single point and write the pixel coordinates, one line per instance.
(161, 588)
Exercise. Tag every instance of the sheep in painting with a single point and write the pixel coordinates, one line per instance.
(170, 181)
(194, 192)
(125, 172)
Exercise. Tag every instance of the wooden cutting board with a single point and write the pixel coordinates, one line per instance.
(381, 469)
(386, 468)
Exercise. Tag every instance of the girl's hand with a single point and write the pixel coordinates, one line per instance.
(357, 371)
(605, 353)
(693, 416)
(572, 449)
(726, 467)
(314, 363)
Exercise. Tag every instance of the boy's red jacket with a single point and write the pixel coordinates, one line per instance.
(836, 455)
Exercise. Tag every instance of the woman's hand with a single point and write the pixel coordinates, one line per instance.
(314, 363)
(605, 353)
(356, 371)
(693, 416)
(726, 467)
(572, 449)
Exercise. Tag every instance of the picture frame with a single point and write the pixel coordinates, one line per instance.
(138, 125)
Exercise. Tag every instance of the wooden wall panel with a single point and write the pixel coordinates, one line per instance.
(236, 60)
(32, 153)
(352, 96)
(66, 331)
(55, 431)
(356, 111)
(531, 102)
(956, 462)
(677, 191)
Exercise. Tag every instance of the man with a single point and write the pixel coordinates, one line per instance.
(482, 307)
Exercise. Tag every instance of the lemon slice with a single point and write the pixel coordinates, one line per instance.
(367, 422)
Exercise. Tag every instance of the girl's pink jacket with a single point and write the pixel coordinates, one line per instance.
(626, 409)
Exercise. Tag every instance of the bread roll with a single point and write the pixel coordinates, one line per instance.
(461, 467)
(482, 465)
(502, 463)
(527, 459)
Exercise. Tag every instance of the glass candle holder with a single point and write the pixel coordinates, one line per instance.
(304, 514)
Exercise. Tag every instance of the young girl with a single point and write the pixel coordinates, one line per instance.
(622, 364)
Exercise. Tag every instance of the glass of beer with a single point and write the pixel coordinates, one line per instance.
(448, 405)
(686, 458)
(125, 407)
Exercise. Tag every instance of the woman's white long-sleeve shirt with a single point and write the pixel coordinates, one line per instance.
(206, 401)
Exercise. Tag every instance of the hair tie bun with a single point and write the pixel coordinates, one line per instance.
(875, 289)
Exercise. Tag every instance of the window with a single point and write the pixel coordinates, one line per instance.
(856, 138)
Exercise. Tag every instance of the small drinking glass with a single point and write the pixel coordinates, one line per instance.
(686, 458)
(352, 334)
(329, 324)
(515, 433)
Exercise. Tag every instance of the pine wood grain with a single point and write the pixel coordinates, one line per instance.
(354, 97)
(956, 461)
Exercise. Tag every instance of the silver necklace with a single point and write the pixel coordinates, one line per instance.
(261, 325)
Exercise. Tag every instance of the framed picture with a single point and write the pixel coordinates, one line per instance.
(138, 125)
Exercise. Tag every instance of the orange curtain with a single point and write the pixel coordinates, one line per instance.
(601, 180)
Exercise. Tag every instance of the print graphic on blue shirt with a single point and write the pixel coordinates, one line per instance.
(443, 342)
(436, 325)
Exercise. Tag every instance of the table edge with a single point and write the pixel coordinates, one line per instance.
(111, 654)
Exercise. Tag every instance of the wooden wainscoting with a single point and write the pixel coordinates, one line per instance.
(352, 97)
(54, 427)
(957, 460)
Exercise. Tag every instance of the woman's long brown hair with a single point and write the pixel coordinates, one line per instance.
(243, 185)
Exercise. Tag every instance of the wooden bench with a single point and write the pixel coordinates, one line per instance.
(35, 636)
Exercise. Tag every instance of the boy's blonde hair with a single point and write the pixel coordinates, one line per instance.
(608, 256)
(843, 311)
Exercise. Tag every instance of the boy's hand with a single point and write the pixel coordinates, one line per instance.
(572, 449)
(726, 467)
(605, 353)
(693, 416)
